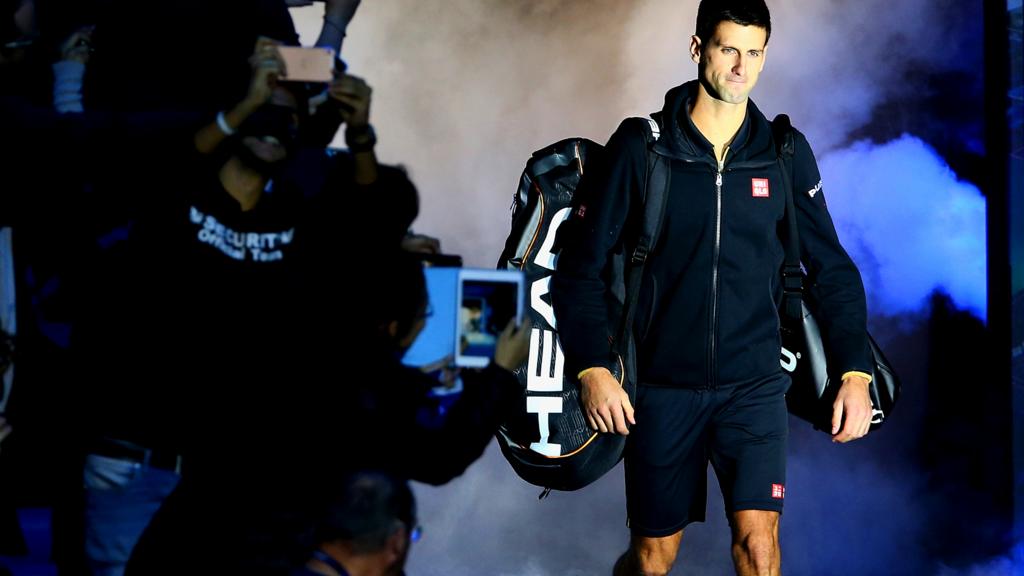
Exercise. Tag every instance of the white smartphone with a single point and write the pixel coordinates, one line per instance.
(307, 64)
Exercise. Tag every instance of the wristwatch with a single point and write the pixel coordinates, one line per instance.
(361, 139)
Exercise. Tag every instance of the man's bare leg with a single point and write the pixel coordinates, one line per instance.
(755, 543)
(649, 556)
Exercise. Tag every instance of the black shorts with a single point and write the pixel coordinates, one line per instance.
(741, 430)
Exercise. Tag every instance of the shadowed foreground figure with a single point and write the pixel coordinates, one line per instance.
(367, 531)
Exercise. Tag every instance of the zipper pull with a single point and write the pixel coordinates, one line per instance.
(718, 180)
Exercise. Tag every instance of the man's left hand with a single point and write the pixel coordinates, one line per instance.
(853, 403)
(353, 95)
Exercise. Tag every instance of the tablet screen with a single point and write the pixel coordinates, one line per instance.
(486, 306)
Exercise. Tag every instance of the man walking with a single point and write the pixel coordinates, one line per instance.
(710, 385)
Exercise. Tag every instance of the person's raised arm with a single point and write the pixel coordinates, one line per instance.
(267, 69)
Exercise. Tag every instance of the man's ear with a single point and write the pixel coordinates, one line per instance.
(397, 545)
(392, 329)
(695, 49)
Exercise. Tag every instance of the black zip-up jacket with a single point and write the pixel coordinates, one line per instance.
(707, 314)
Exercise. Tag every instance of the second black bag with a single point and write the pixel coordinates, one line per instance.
(815, 387)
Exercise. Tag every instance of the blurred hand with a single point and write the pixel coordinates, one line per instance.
(353, 96)
(78, 46)
(449, 373)
(513, 345)
(421, 244)
(267, 68)
(605, 403)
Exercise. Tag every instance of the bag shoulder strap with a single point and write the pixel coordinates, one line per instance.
(792, 274)
(655, 200)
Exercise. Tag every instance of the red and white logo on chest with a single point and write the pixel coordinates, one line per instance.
(759, 188)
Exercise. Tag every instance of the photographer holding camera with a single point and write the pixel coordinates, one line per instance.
(348, 407)
(208, 279)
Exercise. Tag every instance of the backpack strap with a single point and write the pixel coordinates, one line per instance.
(655, 200)
(652, 138)
(792, 274)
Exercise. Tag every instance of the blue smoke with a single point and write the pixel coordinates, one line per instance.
(1010, 565)
(911, 226)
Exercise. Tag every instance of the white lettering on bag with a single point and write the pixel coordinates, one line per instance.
(543, 407)
(547, 360)
(789, 360)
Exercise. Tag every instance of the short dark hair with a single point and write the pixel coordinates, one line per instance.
(396, 290)
(711, 13)
(365, 511)
(396, 197)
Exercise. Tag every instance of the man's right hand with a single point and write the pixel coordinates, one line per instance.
(605, 403)
(267, 67)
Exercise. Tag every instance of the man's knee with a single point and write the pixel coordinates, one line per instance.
(760, 549)
(650, 556)
(756, 539)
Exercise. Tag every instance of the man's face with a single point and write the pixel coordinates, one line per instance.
(268, 141)
(728, 66)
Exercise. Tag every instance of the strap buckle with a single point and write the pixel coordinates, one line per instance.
(640, 255)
